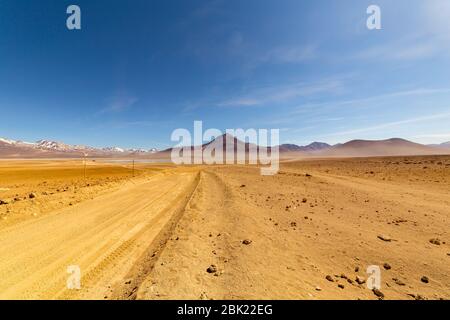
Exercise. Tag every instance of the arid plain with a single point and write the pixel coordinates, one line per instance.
(226, 232)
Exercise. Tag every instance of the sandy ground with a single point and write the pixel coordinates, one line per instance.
(315, 219)
(227, 232)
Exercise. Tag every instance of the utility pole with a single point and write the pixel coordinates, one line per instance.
(84, 169)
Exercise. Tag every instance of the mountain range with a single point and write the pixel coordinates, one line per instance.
(53, 149)
(355, 148)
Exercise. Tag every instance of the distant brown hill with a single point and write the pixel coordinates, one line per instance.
(389, 147)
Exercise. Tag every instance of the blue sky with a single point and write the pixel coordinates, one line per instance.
(140, 69)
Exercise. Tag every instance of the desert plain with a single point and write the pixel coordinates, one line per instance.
(225, 232)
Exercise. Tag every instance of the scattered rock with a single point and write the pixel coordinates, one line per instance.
(341, 286)
(318, 289)
(387, 266)
(356, 269)
(308, 175)
(436, 242)
(304, 200)
(384, 238)
(378, 293)
(247, 242)
(32, 195)
(398, 282)
(211, 269)
(243, 186)
(360, 280)
(2, 202)
(329, 278)
(425, 279)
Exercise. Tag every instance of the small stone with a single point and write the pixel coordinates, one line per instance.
(350, 281)
(378, 293)
(356, 269)
(436, 242)
(425, 279)
(398, 282)
(360, 280)
(329, 278)
(384, 238)
(304, 200)
(32, 195)
(387, 266)
(247, 242)
(341, 286)
(243, 186)
(318, 289)
(211, 269)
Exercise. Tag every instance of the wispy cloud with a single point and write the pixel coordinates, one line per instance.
(119, 103)
(435, 135)
(375, 98)
(290, 54)
(285, 93)
(386, 125)
(401, 50)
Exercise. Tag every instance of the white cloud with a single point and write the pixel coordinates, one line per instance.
(281, 94)
(401, 50)
(435, 135)
(391, 124)
(120, 103)
(290, 54)
(397, 94)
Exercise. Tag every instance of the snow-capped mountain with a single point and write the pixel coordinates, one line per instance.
(15, 148)
(113, 149)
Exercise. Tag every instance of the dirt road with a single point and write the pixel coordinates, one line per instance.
(109, 238)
